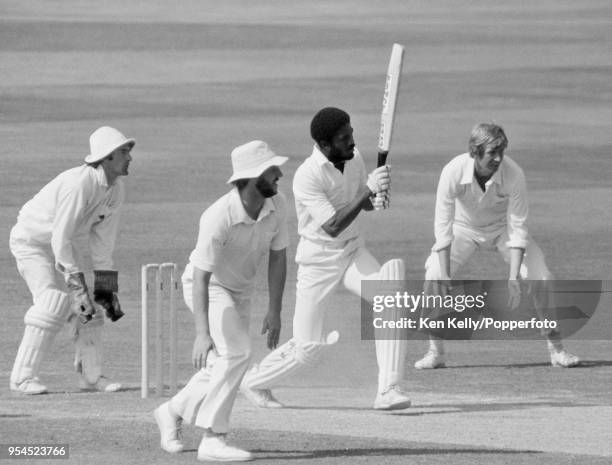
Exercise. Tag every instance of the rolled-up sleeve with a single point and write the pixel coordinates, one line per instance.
(518, 210)
(445, 210)
(211, 237)
(281, 240)
(309, 191)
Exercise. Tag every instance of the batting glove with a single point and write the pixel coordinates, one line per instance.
(379, 180)
(382, 200)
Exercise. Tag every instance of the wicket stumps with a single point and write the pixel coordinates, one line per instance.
(170, 285)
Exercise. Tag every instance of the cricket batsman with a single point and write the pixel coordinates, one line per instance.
(82, 202)
(481, 203)
(331, 188)
(236, 232)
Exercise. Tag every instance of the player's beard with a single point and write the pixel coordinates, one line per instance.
(265, 188)
(338, 156)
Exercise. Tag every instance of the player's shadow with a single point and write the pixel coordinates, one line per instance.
(330, 407)
(583, 364)
(78, 391)
(270, 454)
(128, 388)
(443, 409)
(595, 363)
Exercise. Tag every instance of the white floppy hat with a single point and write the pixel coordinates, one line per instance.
(103, 141)
(252, 159)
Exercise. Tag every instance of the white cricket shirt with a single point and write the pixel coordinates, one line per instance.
(78, 202)
(461, 201)
(231, 244)
(320, 190)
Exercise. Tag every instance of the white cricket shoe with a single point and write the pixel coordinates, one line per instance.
(169, 429)
(214, 448)
(103, 384)
(392, 399)
(562, 358)
(31, 387)
(262, 398)
(430, 361)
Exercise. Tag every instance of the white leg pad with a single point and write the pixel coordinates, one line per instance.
(50, 311)
(43, 321)
(286, 360)
(393, 270)
(392, 347)
(88, 349)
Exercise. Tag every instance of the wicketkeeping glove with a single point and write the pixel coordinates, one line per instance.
(80, 303)
(105, 293)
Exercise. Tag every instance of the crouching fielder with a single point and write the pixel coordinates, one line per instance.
(481, 203)
(80, 202)
(331, 188)
(235, 234)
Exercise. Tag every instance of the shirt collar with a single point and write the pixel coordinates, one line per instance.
(497, 176)
(239, 215)
(101, 176)
(319, 157)
(468, 172)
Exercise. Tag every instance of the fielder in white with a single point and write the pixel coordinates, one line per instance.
(481, 203)
(236, 233)
(331, 188)
(82, 202)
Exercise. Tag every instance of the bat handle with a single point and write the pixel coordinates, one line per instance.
(382, 159)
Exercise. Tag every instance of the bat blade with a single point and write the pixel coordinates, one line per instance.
(387, 115)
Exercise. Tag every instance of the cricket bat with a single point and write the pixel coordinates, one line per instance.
(387, 115)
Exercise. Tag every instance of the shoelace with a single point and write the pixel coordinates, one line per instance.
(267, 395)
(178, 429)
(393, 387)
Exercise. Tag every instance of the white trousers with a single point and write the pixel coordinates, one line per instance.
(35, 263)
(321, 268)
(46, 316)
(467, 241)
(533, 267)
(208, 398)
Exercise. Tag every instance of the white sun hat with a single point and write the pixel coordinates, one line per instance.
(250, 160)
(103, 141)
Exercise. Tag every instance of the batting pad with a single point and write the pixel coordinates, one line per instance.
(43, 321)
(391, 348)
(50, 311)
(88, 348)
(287, 360)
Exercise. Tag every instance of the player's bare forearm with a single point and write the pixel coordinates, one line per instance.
(203, 342)
(277, 275)
(516, 260)
(347, 214)
(514, 286)
(201, 280)
(444, 260)
(442, 285)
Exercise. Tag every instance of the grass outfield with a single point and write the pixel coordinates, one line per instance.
(192, 80)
